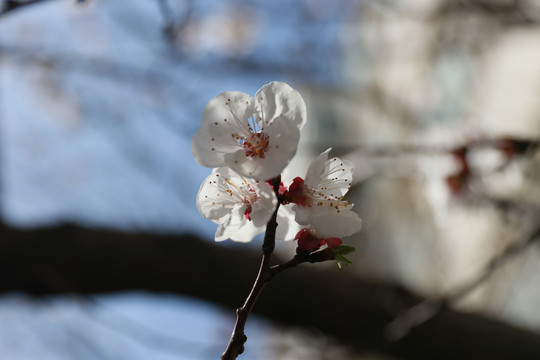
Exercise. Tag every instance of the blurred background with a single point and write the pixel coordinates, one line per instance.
(105, 256)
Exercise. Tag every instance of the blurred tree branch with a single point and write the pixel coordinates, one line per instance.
(69, 259)
(7, 6)
(514, 12)
(10, 5)
(174, 27)
(425, 310)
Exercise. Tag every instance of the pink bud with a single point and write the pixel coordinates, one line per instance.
(331, 242)
(295, 193)
(307, 240)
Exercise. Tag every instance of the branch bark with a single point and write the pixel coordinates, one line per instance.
(238, 338)
(11, 5)
(69, 259)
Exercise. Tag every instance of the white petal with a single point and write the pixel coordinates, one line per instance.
(287, 226)
(245, 233)
(228, 105)
(220, 232)
(329, 223)
(207, 152)
(214, 203)
(224, 116)
(282, 145)
(263, 208)
(315, 170)
(302, 214)
(330, 177)
(238, 228)
(279, 111)
(327, 181)
(277, 99)
(336, 178)
(222, 198)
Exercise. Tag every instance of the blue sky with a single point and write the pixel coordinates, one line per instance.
(98, 108)
(96, 118)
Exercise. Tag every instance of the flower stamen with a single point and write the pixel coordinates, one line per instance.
(256, 145)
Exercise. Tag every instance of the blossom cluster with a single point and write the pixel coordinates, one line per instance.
(249, 141)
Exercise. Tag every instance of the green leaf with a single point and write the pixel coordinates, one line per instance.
(338, 253)
(342, 261)
(344, 249)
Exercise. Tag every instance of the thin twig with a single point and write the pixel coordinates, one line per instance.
(238, 338)
(315, 257)
(167, 13)
(266, 274)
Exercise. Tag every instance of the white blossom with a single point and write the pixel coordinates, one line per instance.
(319, 198)
(241, 206)
(287, 225)
(256, 137)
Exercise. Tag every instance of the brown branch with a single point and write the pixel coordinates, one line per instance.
(11, 5)
(238, 338)
(174, 27)
(167, 14)
(72, 259)
(315, 257)
(265, 275)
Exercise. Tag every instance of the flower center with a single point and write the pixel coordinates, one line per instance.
(299, 194)
(250, 196)
(247, 213)
(256, 144)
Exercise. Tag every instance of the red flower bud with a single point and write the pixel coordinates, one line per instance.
(309, 241)
(295, 194)
(331, 242)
